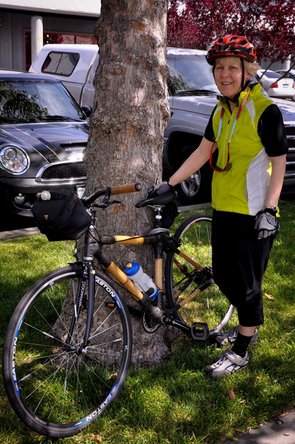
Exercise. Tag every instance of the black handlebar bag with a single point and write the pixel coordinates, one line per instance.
(63, 217)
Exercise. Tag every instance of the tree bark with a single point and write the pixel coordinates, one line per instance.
(126, 135)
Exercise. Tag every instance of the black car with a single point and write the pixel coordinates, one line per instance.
(43, 134)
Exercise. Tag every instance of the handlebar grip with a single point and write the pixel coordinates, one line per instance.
(128, 188)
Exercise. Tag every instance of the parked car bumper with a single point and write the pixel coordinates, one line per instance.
(281, 94)
(18, 194)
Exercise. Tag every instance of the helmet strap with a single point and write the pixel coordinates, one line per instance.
(243, 75)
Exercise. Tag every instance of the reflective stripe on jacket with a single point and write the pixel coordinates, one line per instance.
(241, 189)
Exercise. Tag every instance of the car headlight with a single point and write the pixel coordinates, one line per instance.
(14, 159)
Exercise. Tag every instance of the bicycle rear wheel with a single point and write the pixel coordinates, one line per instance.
(54, 385)
(182, 278)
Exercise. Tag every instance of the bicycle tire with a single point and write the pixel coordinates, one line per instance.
(58, 390)
(210, 306)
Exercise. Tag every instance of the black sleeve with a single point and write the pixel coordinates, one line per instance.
(209, 133)
(271, 131)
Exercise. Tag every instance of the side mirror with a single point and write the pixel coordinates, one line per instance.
(87, 110)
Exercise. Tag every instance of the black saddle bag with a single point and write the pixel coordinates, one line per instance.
(62, 217)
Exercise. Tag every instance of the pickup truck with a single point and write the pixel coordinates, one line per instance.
(192, 97)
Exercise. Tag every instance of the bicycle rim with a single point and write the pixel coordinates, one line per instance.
(56, 387)
(210, 306)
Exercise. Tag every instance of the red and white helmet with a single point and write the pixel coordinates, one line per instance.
(231, 45)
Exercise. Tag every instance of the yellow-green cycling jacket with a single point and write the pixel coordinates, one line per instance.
(241, 189)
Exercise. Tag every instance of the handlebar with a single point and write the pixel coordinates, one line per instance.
(128, 188)
(109, 191)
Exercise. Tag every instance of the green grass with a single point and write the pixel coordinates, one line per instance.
(175, 403)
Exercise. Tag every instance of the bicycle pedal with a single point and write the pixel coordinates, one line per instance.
(200, 331)
(218, 338)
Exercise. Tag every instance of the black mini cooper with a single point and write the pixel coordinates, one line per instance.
(43, 134)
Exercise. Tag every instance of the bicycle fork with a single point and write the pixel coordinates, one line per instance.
(84, 295)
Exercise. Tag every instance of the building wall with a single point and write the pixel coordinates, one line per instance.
(13, 25)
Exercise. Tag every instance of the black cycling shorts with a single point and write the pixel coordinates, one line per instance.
(239, 262)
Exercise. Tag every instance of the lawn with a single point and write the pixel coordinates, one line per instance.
(175, 402)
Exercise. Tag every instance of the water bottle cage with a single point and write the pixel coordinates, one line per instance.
(146, 300)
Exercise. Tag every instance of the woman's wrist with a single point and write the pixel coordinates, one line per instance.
(272, 205)
(172, 182)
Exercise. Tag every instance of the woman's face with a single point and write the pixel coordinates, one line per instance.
(228, 76)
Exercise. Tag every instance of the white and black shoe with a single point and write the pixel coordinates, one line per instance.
(228, 363)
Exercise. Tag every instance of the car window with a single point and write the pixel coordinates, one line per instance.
(30, 101)
(189, 73)
(61, 63)
(271, 75)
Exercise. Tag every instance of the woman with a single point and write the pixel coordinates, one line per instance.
(246, 145)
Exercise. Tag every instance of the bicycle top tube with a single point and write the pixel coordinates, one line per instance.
(134, 239)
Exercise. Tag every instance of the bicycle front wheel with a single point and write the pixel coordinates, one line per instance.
(182, 278)
(56, 386)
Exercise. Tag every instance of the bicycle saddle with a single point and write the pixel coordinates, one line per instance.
(153, 198)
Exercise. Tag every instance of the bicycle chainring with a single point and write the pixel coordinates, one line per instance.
(149, 323)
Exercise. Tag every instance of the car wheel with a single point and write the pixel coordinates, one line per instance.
(197, 188)
(189, 188)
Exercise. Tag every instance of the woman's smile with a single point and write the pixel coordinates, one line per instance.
(228, 74)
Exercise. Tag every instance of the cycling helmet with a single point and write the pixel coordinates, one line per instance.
(231, 45)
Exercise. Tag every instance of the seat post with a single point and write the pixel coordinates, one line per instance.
(158, 209)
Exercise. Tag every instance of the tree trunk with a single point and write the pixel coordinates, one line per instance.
(127, 125)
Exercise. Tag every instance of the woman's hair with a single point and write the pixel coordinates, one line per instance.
(251, 68)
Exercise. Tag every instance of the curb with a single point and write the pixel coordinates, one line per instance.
(280, 430)
(18, 233)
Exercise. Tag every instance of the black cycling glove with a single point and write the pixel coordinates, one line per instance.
(266, 223)
(158, 195)
(158, 190)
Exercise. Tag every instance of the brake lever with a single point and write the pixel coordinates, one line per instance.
(106, 203)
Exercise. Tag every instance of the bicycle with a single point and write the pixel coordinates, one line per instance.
(68, 345)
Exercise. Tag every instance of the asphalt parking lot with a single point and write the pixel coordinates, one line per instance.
(9, 223)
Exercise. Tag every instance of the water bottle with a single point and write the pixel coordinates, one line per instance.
(144, 282)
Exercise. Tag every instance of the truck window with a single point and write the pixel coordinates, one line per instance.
(189, 73)
(60, 63)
